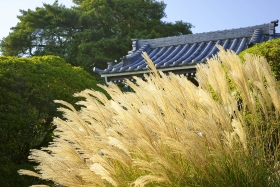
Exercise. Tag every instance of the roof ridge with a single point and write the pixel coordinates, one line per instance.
(205, 36)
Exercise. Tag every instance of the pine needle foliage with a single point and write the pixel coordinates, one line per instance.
(169, 132)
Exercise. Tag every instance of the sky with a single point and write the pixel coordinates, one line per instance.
(205, 15)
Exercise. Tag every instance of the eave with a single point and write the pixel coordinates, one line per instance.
(119, 77)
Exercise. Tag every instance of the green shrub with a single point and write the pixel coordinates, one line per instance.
(28, 87)
(169, 132)
(269, 50)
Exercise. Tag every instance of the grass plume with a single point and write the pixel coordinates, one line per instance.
(169, 132)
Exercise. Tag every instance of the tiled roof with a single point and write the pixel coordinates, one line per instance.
(186, 50)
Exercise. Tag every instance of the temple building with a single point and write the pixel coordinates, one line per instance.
(180, 54)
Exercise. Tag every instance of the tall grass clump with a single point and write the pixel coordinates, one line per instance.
(169, 132)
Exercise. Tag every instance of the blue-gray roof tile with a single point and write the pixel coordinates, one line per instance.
(190, 49)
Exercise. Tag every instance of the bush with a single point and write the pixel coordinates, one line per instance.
(269, 50)
(168, 132)
(28, 87)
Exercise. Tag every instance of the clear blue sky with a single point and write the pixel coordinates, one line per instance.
(205, 15)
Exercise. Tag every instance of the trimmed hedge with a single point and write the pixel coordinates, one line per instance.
(28, 87)
(271, 51)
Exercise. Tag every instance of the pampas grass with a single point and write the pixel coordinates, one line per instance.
(169, 132)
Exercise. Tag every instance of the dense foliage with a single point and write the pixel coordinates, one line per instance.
(28, 87)
(169, 132)
(92, 33)
(271, 51)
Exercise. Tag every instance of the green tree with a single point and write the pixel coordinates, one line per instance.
(28, 87)
(271, 51)
(91, 33)
(47, 30)
(112, 23)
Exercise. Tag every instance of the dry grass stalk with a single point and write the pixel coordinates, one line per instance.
(167, 132)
